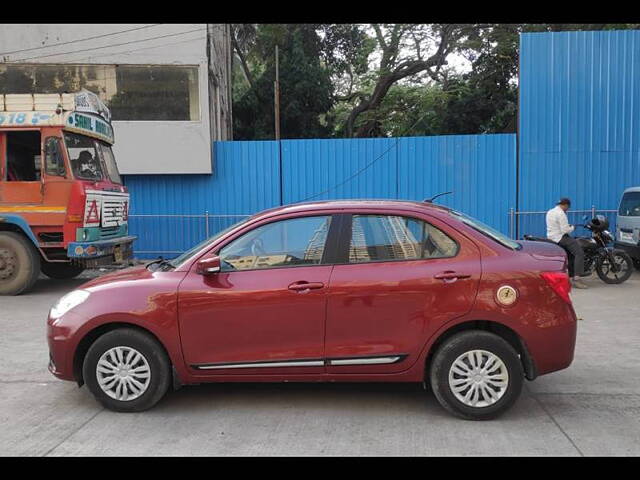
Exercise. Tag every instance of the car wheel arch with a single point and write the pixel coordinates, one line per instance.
(92, 335)
(497, 328)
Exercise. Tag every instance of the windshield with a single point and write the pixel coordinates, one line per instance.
(630, 205)
(195, 249)
(109, 161)
(91, 159)
(488, 231)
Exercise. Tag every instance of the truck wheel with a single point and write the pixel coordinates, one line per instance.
(61, 271)
(636, 263)
(476, 375)
(19, 263)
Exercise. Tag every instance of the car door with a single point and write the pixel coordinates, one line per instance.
(403, 277)
(264, 312)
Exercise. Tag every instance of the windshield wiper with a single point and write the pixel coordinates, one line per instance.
(161, 262)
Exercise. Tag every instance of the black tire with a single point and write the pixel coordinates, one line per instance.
(636, 263)
(60, 270)
(621, 257)
(19, 263)
(153, 353)
(455, 347)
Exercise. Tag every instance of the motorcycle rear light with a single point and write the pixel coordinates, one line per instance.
(559, 283)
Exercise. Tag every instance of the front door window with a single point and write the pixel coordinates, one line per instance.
(287, 243)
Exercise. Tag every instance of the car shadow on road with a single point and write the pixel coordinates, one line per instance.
(320, 397)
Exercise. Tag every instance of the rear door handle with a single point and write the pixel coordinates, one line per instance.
(305, 286)
(451, 276)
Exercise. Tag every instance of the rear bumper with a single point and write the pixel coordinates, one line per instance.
(101, 248)
(632, 250)
(552, 348)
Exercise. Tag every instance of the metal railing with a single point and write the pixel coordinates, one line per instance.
(534, 223)
(169, 235)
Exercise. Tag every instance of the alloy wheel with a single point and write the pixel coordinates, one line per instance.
(478, 378)
(123, 373)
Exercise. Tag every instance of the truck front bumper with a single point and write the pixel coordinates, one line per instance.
(119, 248)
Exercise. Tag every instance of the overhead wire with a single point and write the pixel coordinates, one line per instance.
(41, 47)
(21, 60)
(367, 166)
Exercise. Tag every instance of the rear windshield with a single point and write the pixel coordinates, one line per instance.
(630, 205)
(488, 231)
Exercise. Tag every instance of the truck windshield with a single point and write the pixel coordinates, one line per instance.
(630, 205)
(91, 159)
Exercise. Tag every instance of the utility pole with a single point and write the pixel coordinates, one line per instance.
(276, 89)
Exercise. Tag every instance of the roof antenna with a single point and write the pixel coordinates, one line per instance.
(430, 200)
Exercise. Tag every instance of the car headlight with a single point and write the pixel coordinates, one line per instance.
(67, 302)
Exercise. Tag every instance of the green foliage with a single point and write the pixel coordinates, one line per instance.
(326, 70)
(305, 86)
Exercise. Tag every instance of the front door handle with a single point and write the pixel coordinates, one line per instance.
(303, 286)
(450, 276)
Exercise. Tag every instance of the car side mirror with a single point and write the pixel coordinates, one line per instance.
(208, 266)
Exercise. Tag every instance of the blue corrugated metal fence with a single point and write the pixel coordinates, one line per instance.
(579, 120)
(252, 176)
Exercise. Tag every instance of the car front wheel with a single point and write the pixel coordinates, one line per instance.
(127, 370)
(476, 375)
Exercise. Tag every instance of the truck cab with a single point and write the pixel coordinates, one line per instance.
(628, 224)
(63, 207)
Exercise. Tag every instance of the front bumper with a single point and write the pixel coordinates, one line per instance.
(632, 250)
(101, 248)
(59, 339)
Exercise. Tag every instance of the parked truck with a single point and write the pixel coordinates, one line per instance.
(63, 207)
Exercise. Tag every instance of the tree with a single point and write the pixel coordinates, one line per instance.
(305, 85)
(405, 51)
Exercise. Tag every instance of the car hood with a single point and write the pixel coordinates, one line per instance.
(543, 250)
(127, 275)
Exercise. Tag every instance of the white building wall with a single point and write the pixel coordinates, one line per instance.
(142, 147)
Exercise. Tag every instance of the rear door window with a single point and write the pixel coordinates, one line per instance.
(377, 238)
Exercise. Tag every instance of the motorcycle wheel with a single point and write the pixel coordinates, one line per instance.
(624, 268)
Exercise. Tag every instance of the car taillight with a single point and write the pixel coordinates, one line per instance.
(560, 284)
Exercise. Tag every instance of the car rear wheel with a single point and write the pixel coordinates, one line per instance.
(127, 370)
(476, 375)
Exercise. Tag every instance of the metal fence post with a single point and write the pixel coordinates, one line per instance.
(593, 211)
(206, 223)
(511, 215)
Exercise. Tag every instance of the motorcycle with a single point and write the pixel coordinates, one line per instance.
(613, 266)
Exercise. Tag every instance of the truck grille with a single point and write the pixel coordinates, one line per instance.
(112, 212)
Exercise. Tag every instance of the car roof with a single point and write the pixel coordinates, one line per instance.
(353, 204)
(632, 189)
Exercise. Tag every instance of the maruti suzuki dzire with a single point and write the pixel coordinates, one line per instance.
(336, 291)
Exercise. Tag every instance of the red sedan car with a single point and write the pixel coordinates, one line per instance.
(337, 291)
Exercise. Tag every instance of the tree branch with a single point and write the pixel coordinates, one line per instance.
(243, 62)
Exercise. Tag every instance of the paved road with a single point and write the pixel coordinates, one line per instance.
(592, 408)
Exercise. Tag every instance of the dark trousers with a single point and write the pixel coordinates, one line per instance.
(573, 248)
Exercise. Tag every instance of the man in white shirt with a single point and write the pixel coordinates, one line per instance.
(558, 230)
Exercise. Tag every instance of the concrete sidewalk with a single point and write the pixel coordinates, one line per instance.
(592, 408)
